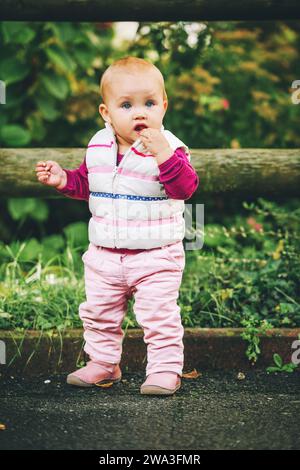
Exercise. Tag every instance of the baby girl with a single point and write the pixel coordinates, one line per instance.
(135, 176)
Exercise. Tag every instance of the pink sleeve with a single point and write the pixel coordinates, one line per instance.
(179, 178)
(77, 186)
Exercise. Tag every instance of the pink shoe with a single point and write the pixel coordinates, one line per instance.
(161, 383)
(95, 374)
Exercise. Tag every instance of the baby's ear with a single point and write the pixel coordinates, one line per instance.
(100, 109)
(103, 111)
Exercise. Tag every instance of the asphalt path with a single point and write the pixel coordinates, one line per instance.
(214, 411)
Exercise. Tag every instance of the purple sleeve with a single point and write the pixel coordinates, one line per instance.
(179, 178)
(77, 186)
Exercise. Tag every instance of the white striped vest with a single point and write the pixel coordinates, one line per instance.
(129, 206)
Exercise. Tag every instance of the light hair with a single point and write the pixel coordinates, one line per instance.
(130, 64)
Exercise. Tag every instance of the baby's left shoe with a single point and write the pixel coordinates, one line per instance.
(161, 383)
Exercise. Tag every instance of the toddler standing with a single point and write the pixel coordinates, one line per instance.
(135, 176)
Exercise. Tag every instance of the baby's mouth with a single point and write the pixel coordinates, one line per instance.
(140, 127)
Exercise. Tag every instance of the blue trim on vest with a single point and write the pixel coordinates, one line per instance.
(128, 196)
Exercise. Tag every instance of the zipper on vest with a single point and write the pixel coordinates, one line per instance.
(115, 170)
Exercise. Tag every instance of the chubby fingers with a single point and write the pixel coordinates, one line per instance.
(145, 141)
(42, 176)
(42, 171)
(42, 166)
(146, 133)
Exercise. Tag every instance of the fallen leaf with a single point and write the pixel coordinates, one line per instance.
(106, 385)
(192, 375)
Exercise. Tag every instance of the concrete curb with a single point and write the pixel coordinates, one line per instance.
(33, 352)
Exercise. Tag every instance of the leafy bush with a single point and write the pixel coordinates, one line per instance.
(231, 80)
(51, 72)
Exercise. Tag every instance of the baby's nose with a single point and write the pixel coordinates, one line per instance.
(139, 114)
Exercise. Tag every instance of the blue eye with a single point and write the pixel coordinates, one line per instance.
(122, 106)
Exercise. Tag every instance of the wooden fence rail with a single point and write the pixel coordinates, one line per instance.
(150, 10)
(242, 171)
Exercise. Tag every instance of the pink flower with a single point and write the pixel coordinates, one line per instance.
(255, 225)
(225, 103)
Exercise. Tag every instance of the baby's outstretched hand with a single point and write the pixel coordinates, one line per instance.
(50, 173)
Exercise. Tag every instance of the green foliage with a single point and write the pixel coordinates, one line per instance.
(51, 72)
(21, 209)
(279, 366)
(15, 135)
(232, 80)
(254, 327)
(230, 86)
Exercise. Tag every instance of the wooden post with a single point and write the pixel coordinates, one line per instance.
(150, 10)
(254, 172)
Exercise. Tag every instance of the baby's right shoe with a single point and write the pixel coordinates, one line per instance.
(95, 374)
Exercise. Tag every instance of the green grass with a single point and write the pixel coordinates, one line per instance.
(246, 274)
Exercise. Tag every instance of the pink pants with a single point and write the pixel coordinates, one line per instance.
(154, 277)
